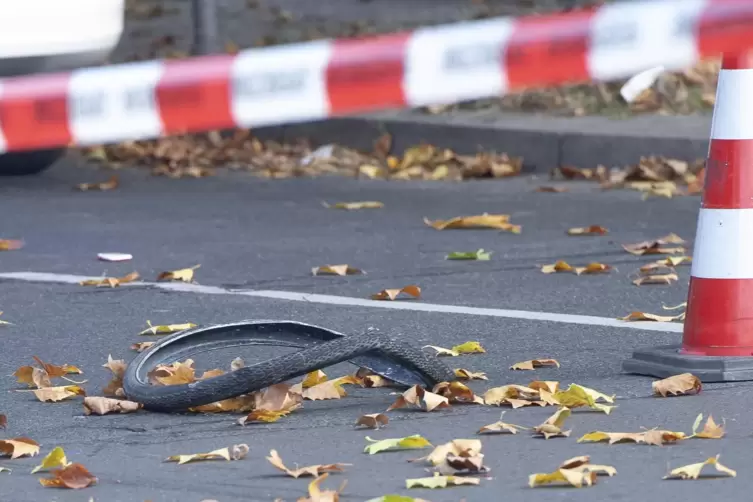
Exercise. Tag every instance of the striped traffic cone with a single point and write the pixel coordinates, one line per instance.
(717, 344)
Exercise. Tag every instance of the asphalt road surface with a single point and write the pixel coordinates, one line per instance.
(264, 236)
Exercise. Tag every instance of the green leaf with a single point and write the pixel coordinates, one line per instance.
(413, 442)
(479, 255)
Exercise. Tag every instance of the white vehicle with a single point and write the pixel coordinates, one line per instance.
(43, 36)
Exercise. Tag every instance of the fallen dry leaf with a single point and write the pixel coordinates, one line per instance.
(656, 279)
(550, 386)
(464, 374)
(177, 373)
(654, 437)
(74, 476)
(104, 405)
(166, 329)
(330, 389)
(55, 394)
(441, 351)
(493, 221)
(368, 379)
(658, 246)
(112, 282)
(439, 481)
(669, 261)
(266, 416)
(559, 266)
(350, 206)
(501, 427)
(456, 392)
(235, 452)
(469, 348)
(693, 471)
(583, 463)
(552, 427)
(421, 398)
(56, 458)
(563, 266)
(3, 421)
(19, 447)
(683, 384)
(103, 186)
(243, 403)
(336, 270)
(502, 395)
(311, 470)
(279, 397)
(535, 363)
(645, 316)
(314, 378)
(115, 386)
(10, 244)
(391, 294)
(577, 396)
(552, 189)
(414, 442)
(572, 477)
(373, 420)
(711, 430)
(592, 230)
(141, 346)
(316, 494)
(183, 274)
(40, 378)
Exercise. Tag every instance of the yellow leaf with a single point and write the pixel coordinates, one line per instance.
(501, 426)
(469, 348)
(593, 268)
(373, 420)
(316, 494)
(19, 447)
(177, 373)
(183, 274)
(463, 374)
(693, 471)
(439, 481)
(236, 452)
(535, 363)
(103, 186)
(267, 416)
(421, 398)
(572, 477)
(442, 351)
(312, 470)
(498, 395)
(55, 394)
(370, 171)
(592, 230)
(314, 378)
(331, 389)
(577, 396)
(10, 244)
(644, 316)
(73, 476)
(165, 329)
(456, 392)
(559, 266)
(112, 282)
(391, 294)
(56, 458)
(656, 279)
(414, 442)
(711, 430)
(652, 437)
(495, 221)
(104, 405)
(369, 204)
(547, 385)
(553, 425)
(336, 270)
(683, 384)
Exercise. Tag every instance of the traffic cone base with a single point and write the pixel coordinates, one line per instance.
(668, 360)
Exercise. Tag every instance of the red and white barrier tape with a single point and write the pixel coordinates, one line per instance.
(316, 80)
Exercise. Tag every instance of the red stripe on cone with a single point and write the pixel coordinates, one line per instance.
(34, 111)
(729, 174)
(725, 26)
(195, 95)
(549, 50)
(719, 318)
(367, 74)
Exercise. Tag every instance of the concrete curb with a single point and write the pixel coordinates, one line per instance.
(543, 142)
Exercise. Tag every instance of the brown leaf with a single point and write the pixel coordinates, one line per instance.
(659, 246)
(501, 395)
(110, 184)
(421, 398)
(316, 494)
(668, 262)
(243, 403)
(311, 470)
(552, 189)
(456, 392)
(112, 282)
(494, 221)
(682, 384)
(141, 346)
(336, 270)
(651, 437)
(547, 385)
(592, 230)
(373, 420)
(74, 476)
(645, 316)
(3, 421)
(115, 386)
(391, 294)
(19, 447)
(464, 374)
(711, 430)
(371, 380)
(573, 173)
(559, 266)
(656, 279)
(177, 373)
(279, 397)
(55, 371)
(535, 363)
(183, 274)
(104, 405)
(10, 244)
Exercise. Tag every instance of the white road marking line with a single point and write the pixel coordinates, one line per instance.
(360, 302)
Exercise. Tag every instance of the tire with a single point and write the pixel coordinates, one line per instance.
(28, 163)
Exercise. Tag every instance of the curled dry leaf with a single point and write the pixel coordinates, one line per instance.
(336, 270)
(441, 351)
(183, 274)
(583, 464)
(316, 494)
(350, 206)
(501, 427)
(74, 476)
(314, 378)
(693, 471)
(494, 221)
(592, 230)
(663, 245)
(112, 282)
(104, 405)
(711, 430)
(19, 447)
(104, 186)
(464, 374)
(56, 458)
(266, 416)
(369, 379)
(683, 384)
(166, 329)
(563, 266)
(469, 348)
(645, 316)
(439, 481)
(502, 395)
(331, 389)
(456, 447)
(573, 477)
(391, 294)
(311, 470)
(373, 420)
(577, 396)
(546, 385)
(456, 392)
(414, 442)
(654, 437)
(279, 397)
(421, 398)
(656, 279)
(177, 373)
(243, 403)
(479, 255)
(535, 363)
(115, 386)
(668, 262)
(553, 425)
(10, 244)
(40, 378)
(55, 394)
(235, 452)
(141, 346)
